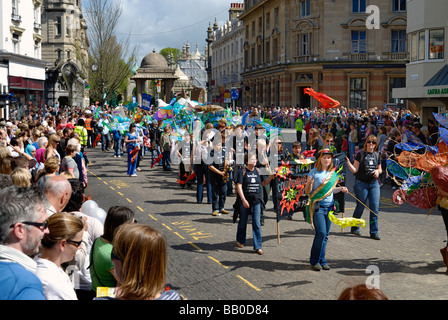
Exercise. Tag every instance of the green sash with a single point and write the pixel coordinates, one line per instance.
(323, 191)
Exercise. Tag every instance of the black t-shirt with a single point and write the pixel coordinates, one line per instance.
(368, 162)
(218, 163)
(251, 184)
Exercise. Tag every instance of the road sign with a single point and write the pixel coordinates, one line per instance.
(234, 94)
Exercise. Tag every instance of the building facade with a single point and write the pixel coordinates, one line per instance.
(326, 45)
(22, 70)
(227, 61)
(65, 47)
(427, 71)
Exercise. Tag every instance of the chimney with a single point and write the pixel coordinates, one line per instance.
(235, 10)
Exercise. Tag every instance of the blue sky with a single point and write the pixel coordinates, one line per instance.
(170, 23)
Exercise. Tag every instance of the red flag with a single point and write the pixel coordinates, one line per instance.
(157, 160)
(134, 153)
(98, 137)
(326, 101)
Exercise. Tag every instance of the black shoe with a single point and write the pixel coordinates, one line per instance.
(375, 236)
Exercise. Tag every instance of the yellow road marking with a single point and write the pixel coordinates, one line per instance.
(120, 194)
(217, 261)
(129, 200)
(112, 188)
(195, 246)
(249, 284)
(140, 209)
(167, 227)
(149, 215)
(177, 233)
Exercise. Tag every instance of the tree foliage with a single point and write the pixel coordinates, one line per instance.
(113, 57)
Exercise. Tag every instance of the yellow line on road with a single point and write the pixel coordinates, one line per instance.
(129, 200)
(177, 233)
(120, 194)
(249, 284)
(105, 183)
(217, 261)
(112, 188)
(167, 227)
(140, 209)
(152, 217)
(195, 246)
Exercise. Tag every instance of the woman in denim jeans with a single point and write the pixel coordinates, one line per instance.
(367, 169)
(320, 185)
(249, 189)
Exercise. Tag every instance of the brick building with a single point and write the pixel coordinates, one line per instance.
(324, 44)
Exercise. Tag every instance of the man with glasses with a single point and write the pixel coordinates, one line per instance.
(23, 223)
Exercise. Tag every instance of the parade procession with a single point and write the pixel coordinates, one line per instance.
(271, 167)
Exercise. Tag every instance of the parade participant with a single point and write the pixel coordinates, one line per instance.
(367, 169)
(139, 257)
(200, 152)
(320, 186)
(101, 266)
(82, 132)
(117, 137)
(58, 247)
(23, 223)
(218, 170)
(103, 126)
(248, 185)
(184, 152)
(90, 123)
(299, 128)
(165, 146)
(131, 140)
(315, 141)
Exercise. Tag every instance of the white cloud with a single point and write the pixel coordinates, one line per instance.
(170, 23)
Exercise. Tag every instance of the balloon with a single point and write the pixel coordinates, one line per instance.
(99, 213)
(88, 206)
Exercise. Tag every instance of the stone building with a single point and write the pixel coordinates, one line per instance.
(326, 45)
(227, 61)
(65, 47)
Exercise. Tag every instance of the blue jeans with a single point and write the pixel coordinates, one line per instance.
(322, 225)
(105, 141)
(166, 160)
(255, 211)
(370, 191)
(219, 193)
(201, 174)
(351, 149)
(117, 147)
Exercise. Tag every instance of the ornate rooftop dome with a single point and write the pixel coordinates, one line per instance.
(154, 60)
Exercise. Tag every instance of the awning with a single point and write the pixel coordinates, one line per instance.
(439, 79)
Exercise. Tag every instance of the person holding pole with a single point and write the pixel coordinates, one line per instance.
(321, 184)
(248, 186)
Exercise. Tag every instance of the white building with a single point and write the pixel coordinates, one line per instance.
(427, 71)
(227, 61)
(23, 70)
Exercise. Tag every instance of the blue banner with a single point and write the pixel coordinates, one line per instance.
(146, 102)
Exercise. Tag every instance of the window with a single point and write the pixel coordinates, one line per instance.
(421, 45)
(268, 21)
(16, 43)
(436, 45)
(358, 42)
(303, 44)
(36, 49)
(358, 93)
(68, 26)
(58, 26)
(398, 43)
(398, 5)
(15, 7)
(358, 6)
(276, 16)
(253, 28)
(395, 82)
(305, 8)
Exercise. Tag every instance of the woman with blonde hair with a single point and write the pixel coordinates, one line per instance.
(21, 177)
(50, 170)
(140, 263)
(59, 246)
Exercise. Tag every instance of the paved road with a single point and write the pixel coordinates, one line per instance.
(205, 265)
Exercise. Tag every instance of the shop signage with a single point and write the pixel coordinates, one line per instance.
(438, 91)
